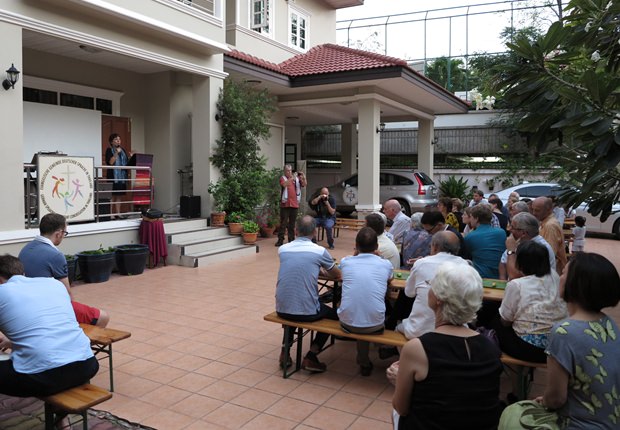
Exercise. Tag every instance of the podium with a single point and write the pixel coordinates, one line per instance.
(141, 187)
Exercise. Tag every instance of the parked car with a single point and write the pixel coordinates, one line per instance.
(414, 190)
(530, 190)
(594, 223)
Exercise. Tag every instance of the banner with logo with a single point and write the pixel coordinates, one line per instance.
(66, 187)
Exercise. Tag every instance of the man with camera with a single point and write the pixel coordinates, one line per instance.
(325, 207)
(291, 185)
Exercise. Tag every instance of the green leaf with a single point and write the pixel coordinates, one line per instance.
(555, 35)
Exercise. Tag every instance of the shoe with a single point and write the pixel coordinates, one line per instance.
(279, 243)
(312, 364)
(288, 363)
(387, 352)
(331, 246)
(366, 370)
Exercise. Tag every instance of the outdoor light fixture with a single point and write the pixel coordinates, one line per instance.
(435, 140)
(12, 76)
(219, 115)
(381, 128)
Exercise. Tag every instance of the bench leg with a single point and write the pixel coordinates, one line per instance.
(297, 339)
(49, 417)
(111, 369)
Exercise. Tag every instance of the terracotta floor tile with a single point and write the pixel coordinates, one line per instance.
(134, 386)
(216, 369)
(169, 420)
(223, 390)
(330, 419)
(196, 405)
(312, 393)
(363, 423)
(137, 367)
(365, 386)
(264, 421)
(165, 396)
(257, 400)
(331, 379)
(230, 416)
(349, 402)
(277, 384)
(292, 409)
(137, 410)
(192, 382)
(164, 356)
(203, 425)
(379, 410)
(247, 377)
(190, 362)
(238, 358)
(164, 374)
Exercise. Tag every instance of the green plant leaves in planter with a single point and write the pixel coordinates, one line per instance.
(453, 187)
(250, 227)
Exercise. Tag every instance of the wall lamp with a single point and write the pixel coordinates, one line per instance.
(435, 140)
(12, 76)
(219, 115)
(381, 128)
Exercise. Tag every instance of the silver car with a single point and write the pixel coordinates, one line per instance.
(414, 190)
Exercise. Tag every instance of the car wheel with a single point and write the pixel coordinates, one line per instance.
(404, 206)
(616, 229)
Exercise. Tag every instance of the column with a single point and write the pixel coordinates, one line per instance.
(348, 150)
(426, 134)
(369, 157)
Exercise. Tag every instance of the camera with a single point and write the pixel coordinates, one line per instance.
(324, 196)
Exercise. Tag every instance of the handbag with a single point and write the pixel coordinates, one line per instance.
(152, 213)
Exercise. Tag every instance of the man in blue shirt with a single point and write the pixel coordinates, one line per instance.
(297, 295)
(485, 245)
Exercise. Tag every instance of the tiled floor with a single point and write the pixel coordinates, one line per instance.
(201, 356)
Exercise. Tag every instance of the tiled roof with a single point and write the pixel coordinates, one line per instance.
(331, 58)
(321, 59)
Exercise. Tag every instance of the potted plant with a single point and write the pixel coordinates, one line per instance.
(250, 232)
(131, 259)
(235, 222)
(96, 265)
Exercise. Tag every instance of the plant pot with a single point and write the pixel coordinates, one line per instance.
(131, 259)
(250, 238)
(235, 227)
(217, 219)
(71, 266)
(95, 267)
(267, 231)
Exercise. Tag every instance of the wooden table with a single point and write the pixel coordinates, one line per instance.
(493, 288)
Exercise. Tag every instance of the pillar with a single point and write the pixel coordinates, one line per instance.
(426, 134)
(369, 157)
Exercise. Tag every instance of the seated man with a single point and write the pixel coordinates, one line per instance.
(50, 352)
(297, 295)
(401, 222)
(325, 207)
(485, 244)
(387, 249)
(365, 277)
(42, 258)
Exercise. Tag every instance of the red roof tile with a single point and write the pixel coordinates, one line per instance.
(331, 58)
(253, 60)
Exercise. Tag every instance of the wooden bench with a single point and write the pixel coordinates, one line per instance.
(101, 340)
(344, 223)
(76, 400)
(524, 371)
(332, 327)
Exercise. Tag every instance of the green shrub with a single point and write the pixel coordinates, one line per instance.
(453, 187)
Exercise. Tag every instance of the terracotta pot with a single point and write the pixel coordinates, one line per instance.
(235, 227)
(266, 231)
(250, 238)
(217, 219)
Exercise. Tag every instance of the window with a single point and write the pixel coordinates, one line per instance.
(299, 29)
(290, 155)
(261, 19)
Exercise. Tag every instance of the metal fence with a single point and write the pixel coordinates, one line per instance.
(139, 193)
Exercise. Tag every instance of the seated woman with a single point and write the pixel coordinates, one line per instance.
(583, 370)
(530, 306)
(449, 378)
(445, 207)
(416, 243)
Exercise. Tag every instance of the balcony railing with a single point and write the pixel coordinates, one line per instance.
(139, 193)
(210, 7)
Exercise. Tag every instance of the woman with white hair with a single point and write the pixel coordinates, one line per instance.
(449, 378)
(417, 242)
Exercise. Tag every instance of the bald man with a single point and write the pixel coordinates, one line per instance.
(401, 222)
(550, 229)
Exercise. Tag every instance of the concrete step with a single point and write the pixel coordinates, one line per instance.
(197, 235)
(200, 246)
(218, 255)
(181, 225)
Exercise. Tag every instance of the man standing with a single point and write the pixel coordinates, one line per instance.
(387, 248)
(477, 198)
(291, 186)
(50, 352)
(297, 296)
(365, 277)
(485, 245)
(401, 222)
(325, 207)
(41, 258)
(550, 229)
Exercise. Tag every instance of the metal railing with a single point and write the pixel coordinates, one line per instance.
(139, 193)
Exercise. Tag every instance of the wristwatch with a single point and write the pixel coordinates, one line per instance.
(510, 252)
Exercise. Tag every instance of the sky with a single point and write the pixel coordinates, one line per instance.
(448, 32)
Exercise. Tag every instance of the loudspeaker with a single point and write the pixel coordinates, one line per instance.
(190, 206)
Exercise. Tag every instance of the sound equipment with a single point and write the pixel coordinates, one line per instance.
(190, 207)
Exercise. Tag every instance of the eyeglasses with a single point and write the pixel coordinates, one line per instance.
(430, 230)
(65, 233)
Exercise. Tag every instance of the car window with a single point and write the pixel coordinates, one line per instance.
(383, 179)
(426, 180)
(399, 180)
(535, 191)
(352, 181)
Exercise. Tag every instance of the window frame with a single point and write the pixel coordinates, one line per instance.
(266, 29)
(301, 14)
